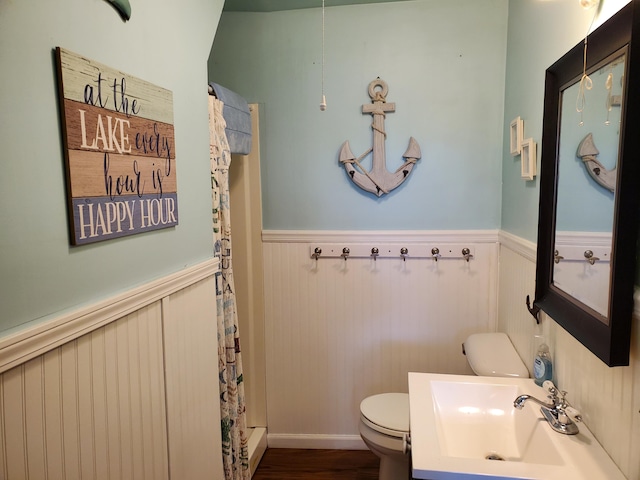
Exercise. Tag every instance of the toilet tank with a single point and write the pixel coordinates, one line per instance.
(493, 355)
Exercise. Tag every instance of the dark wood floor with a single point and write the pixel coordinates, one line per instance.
(285, 464)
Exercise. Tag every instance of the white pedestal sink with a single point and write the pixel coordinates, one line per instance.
(466, 427)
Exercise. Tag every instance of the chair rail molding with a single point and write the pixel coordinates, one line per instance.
(519, 245)
(387, 236)
(28, 343)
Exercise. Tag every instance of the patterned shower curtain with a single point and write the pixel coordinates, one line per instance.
(235, 451)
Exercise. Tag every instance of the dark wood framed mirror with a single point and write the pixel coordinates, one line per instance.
(575, 198)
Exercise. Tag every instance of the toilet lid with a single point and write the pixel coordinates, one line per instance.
(387, 410)
(493, 355)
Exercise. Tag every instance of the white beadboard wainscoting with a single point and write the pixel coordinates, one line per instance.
(608, 398)
(337, 332)
(122, 389)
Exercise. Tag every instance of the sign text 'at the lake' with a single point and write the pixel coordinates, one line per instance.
(119, 151)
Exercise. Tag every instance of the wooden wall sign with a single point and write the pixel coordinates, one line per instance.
(119, 151)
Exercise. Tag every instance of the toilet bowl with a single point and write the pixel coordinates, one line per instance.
(384, 418)
(384, 428)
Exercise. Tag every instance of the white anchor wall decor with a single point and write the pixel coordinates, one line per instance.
(379, 180)
(588, 152)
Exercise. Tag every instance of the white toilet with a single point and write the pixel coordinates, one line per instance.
(384, 418)
(384, 427)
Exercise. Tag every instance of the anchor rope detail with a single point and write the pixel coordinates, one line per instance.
(357, 162)
(379, 97)
(376, 128)
(409, 161)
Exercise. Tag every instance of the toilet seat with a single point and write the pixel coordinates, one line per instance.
(386, 413)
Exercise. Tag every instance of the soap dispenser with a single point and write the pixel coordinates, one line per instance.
(542, 364)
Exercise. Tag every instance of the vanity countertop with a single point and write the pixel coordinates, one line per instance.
(462, 426)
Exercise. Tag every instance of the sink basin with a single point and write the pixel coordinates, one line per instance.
(489, 426)
(465, 427)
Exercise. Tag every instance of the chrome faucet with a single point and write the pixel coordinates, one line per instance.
(555, 411)
(522, 399)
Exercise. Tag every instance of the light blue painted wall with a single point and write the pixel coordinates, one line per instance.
(540, 32)
(165, 43)
(583, 204)
(444, 63)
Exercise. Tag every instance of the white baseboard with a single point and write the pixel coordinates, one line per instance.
(337, 442)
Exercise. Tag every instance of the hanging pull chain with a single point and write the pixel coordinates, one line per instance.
(323, 103)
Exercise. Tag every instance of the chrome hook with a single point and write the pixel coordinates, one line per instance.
(466, 254)
(374, 253)
(316, 253)
(435, 253)
(588, 254)
(403, 253)
(345, 253)
(557, 257)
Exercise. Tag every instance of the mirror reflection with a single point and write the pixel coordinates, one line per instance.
(589, 141)
(589, 292)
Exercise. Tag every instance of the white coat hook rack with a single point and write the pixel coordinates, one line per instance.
(581, 253)
(424, 251)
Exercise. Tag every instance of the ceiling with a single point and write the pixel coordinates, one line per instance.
(277, 5)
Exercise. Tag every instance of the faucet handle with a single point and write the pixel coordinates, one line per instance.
(573, 413)
(562, 398)
(566, 413)
(563, 418)
(549, 386)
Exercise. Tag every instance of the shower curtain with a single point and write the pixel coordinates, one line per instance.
(235, 451)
